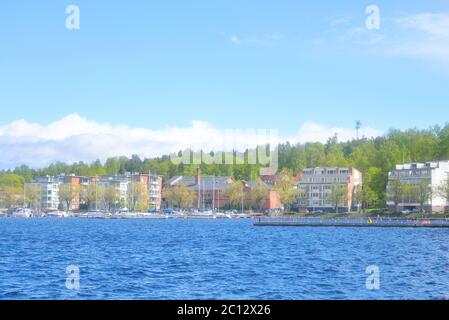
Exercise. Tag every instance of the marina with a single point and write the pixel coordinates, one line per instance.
(27, 213)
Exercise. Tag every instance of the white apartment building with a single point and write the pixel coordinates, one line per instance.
(119, 183)
(155, 191)
(436, 172)
(49, 190)
(153, 183)
(316, 184)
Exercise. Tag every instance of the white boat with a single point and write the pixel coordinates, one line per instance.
(223, 215)
(22, 213)
(59, 214)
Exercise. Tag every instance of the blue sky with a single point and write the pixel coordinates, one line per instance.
(232, 64)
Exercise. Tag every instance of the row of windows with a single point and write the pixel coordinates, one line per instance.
(318, 187)
(329, 172)
(408, 173)
(325, 180)
(316, 203)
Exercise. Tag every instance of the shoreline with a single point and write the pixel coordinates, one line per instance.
(129, 216)
(352, 222)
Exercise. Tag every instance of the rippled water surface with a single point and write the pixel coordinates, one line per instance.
(217, 259)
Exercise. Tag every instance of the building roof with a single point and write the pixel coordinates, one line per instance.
(312, 171)
(422, 165)
(253, 183)
(206, 182)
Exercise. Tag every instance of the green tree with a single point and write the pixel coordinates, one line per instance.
(112, 166)
(11, 189)
(443, 191)
(25, 172)
(334, 154)
(314, 153)
(235, 193)
(338, 196)
(376, 179)
(396, 192)
(32, 195)
(138, 196)
(12, 180)
(423, 193)
(286, 188)
(10, 197)
(111, 197)
(259, 194)
(92, 195)
(67, 193)
(180, 196)
(365, 196)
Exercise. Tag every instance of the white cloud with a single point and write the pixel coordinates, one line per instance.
(362, 35)
(74, 138)
(425, 35)
(235, 39)
(420, 36)
(315, 132)
(270, 39)
(435, 25)
(340, 20)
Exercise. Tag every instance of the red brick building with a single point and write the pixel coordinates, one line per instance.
(210, 191)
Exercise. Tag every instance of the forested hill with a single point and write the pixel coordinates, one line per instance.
(374, 157)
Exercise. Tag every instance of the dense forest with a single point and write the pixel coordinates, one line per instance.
(374, 157)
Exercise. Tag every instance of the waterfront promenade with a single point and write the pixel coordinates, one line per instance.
(351, 222)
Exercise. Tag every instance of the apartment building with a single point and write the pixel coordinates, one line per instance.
(49, 190)
(432, 173)
(317, 184)
(152, 183)
(155, 191)
(106, 182)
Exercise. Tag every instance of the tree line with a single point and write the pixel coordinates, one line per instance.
(374, 157)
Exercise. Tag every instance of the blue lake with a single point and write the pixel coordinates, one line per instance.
(217, 259)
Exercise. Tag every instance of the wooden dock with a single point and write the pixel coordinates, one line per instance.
(351, 222)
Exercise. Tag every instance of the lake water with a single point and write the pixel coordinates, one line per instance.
(218, 259)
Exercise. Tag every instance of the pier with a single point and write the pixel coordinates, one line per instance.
(351, 222)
